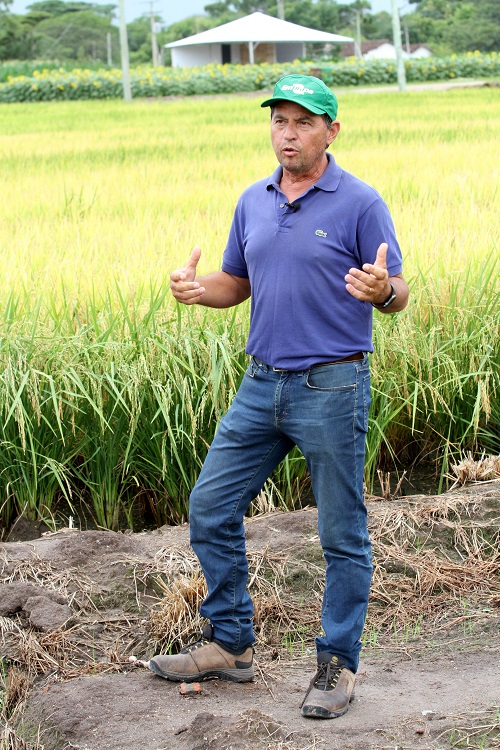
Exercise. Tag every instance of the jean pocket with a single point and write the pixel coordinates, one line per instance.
(333, 377)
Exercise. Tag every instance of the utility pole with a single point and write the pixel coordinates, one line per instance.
(109, 48)
(281, 9)
(357, 44)
(407, 35)
(154, 43)
(127, 91)
(396, 35)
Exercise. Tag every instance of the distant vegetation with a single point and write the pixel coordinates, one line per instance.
(110, 393)
(84, 32)
(60, 83)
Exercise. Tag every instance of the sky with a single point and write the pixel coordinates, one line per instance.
(173, 10)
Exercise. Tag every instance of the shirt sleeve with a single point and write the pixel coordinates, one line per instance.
(233, 260)
(374, 227)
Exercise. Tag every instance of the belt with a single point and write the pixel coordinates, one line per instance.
(351, 358)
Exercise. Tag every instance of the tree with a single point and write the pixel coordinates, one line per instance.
(456, 25)
(59, 8)
(321, 15)
(53, 28)
(10, 32)
(77, 30)
(238, 8)
(378, 25)
(216, 10)
(190, 26)
(327, 15)
(79, 35)
(139, 34)
(139, 40)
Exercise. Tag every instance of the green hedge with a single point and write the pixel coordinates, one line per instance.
(47, 85)
(355, 72)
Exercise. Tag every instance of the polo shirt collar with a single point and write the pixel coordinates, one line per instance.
(329, 180)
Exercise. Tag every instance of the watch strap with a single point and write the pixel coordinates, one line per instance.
(390, 299)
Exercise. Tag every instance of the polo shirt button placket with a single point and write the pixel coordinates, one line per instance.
(283, 217)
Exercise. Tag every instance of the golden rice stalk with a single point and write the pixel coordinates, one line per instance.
(469, 470)
(76, 588)
(176, 617)
(17, 687)
(10, 740)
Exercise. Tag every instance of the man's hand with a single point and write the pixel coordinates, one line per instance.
(183, 282)
(371, 283)
(218, 289)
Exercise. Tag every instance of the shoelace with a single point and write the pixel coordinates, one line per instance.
(325, 678)
(194, 646)
(327, 675)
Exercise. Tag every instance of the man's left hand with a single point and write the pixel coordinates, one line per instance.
(371, 283)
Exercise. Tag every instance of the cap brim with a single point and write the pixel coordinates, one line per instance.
(277, 99)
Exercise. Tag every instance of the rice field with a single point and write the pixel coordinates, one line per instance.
(110, 393)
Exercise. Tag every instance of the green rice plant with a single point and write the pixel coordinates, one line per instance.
(33, 461)
(194, 370)
(370, 636)
(110, 393)
(438, 368)
(290, 483)
(297, 642)
(100, 435)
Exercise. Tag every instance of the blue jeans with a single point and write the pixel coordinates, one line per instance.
(324, 411)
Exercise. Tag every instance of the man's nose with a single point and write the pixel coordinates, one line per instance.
(290, 131)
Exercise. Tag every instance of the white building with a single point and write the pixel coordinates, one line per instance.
(383, 49)
(387, 51)
(253, 39)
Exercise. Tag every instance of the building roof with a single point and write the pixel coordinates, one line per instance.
(372, 44)
(259, 27)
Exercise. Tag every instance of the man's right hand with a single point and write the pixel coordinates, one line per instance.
(183, 284)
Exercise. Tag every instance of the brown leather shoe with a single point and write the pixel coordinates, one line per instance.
(331, 689)
(203, 660)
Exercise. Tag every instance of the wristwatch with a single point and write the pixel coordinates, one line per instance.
(390, 299)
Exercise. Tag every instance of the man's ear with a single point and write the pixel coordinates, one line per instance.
(333, 132)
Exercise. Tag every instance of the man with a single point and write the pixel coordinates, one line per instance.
(315, 248)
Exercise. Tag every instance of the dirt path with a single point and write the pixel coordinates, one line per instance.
(399, 701)
(429, 685)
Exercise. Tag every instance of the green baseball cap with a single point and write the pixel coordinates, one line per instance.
(308, 91)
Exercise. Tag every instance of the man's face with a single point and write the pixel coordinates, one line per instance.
(300, 137)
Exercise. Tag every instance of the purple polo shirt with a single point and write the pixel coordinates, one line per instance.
(301, 312)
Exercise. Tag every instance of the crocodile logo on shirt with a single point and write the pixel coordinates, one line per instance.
(320, 233)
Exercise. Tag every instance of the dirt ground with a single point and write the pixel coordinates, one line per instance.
(75, 605)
